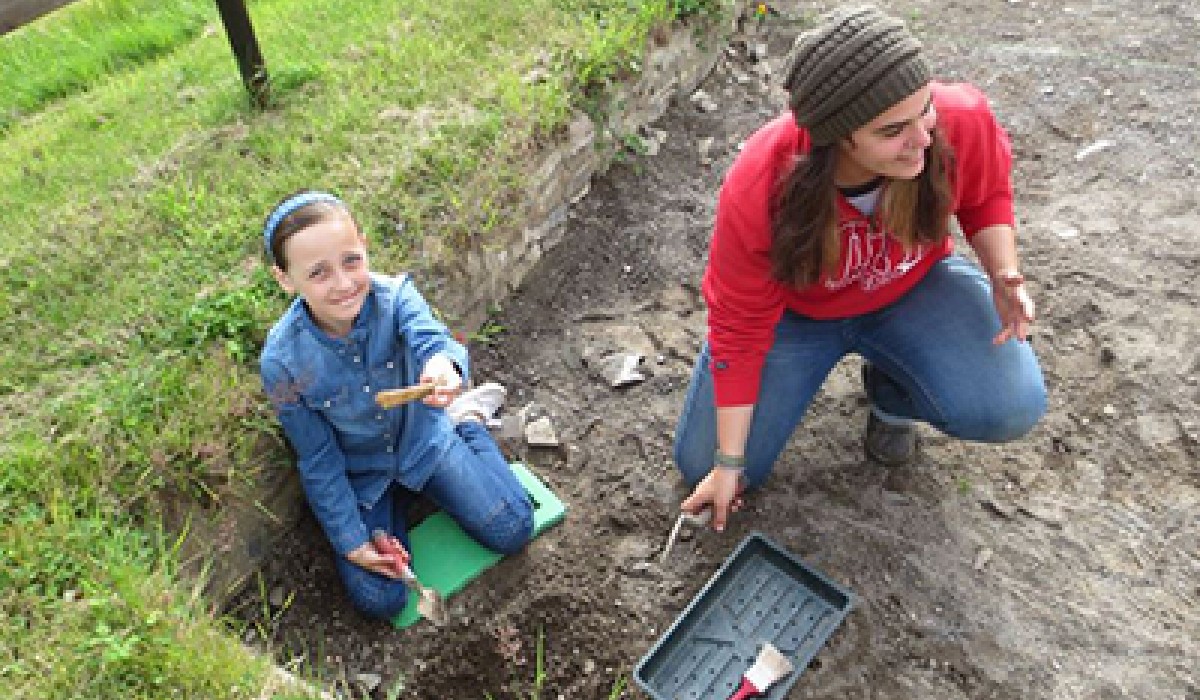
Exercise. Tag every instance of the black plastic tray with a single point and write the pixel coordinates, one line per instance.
(760, 594)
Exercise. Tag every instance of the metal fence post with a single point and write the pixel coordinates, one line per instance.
(245, 49)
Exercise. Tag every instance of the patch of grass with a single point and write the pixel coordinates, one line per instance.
(132, 291)
(106, 617)
(85, 43)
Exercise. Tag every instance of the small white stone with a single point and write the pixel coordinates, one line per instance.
(621, 370)
(368, 681)
(540, 433)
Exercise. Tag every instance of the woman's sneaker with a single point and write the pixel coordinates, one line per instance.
(479, 404)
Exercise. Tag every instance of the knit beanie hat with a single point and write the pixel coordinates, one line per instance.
(850, 69)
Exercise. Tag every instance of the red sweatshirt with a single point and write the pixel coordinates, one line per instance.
(745, 302)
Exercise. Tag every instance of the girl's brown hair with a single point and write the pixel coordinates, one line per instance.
(806, 235)
(300, 219)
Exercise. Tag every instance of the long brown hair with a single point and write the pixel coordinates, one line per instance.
(806, 235)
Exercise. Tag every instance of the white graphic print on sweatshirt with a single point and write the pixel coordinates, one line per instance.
(868, 258)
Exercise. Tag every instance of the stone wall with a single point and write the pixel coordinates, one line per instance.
(464, 283)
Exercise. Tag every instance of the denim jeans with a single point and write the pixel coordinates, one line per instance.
(934, 359)
(473, 484)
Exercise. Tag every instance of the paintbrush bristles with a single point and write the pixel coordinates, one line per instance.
(768, 668)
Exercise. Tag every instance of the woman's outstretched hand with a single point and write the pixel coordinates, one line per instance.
(440, 371)
(721, 490)
(1014, 306)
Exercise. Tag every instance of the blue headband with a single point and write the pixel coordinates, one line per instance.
(290, 206)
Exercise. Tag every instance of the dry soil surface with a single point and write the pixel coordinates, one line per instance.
(1064, 565)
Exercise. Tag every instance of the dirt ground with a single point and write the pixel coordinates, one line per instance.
(1061, 566)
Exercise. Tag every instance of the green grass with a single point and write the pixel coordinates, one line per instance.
(85, 43)
(133, 300)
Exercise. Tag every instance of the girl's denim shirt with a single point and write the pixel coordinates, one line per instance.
(349, 449)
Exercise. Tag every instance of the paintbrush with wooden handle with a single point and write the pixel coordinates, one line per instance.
(391, 398)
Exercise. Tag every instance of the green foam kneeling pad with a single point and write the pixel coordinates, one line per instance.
(445, 558)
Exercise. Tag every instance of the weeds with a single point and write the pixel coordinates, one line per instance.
(539, 666)
(693, 8)
(268, 618)
(964, 485)
(490, 329)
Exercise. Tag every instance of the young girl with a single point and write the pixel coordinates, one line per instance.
(832, 237)
(348, 335)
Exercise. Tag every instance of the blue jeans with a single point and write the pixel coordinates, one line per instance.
(474, 485)
(933, 358)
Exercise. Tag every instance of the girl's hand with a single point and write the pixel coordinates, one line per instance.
(370, 557)
(440, 371)
(722, 490)
(1013, 305)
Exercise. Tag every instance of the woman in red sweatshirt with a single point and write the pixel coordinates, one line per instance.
(833, 236)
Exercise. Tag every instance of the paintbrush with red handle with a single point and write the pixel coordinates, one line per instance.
(770, 666)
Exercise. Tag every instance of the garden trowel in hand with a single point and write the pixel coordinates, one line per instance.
(699, 519)
(429, 602)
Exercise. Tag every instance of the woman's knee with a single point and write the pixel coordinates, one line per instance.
(1025, 415)
(694, 462)
(1003, 420)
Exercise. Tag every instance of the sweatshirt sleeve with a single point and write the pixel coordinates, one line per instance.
(744, 301)
(423, 333)
(320, 461)
(983, 164)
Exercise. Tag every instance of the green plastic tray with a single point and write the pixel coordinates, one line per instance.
(447, 559)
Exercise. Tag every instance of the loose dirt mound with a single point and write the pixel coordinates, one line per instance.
(1062, 566)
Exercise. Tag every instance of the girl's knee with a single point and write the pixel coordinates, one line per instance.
(510, 528)
(379, 600)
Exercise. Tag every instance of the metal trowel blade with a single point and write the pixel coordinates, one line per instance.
(432, 607)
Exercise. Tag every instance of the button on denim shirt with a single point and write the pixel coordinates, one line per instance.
(349, 449)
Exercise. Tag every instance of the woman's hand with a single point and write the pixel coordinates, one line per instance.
(1013, 305)
(440, 371)
(721, 490)
(385, 563)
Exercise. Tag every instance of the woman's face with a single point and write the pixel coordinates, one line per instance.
(892, 144)
(327, 266)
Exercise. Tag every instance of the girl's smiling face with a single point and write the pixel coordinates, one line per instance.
(327, 266)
